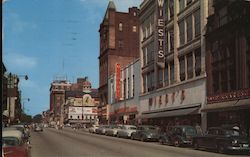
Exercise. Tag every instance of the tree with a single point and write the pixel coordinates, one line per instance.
(37, 118)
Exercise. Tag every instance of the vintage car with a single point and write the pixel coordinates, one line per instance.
(145, 133)
(102, 129)
(13, 144)
(222, 139)
(178, 136)
(93, 128)
(112, 130)
(126, 131)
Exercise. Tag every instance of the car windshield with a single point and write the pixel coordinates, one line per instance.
(190, 131)
(10, 141)
(150, 128)
(232, 132)
(132, 128)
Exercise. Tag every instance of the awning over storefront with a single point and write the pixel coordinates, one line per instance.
(228, 105)
(194, 109)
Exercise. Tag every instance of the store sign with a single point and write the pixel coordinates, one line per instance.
(160, 29)
(82, 110)
(118, 82)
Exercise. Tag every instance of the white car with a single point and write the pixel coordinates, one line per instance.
(112, 130)
(126, 131)
(93, 128)
(102, 129)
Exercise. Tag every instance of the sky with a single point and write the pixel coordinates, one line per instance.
(47, 39)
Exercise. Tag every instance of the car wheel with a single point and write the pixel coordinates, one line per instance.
(132, 137)
(196, 145)
(143, 139)
(221, 149)
(177, 143)
(161, 141)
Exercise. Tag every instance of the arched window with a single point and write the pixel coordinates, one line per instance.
(120, 26)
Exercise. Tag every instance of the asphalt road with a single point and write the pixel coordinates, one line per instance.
(71, 143)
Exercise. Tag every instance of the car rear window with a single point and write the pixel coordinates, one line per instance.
(10, 141)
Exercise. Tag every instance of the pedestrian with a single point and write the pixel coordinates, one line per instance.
(198, 129)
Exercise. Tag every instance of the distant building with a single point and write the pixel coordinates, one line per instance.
(119, 43)
(228, 64)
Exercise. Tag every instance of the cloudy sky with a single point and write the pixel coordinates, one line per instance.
(46, 39)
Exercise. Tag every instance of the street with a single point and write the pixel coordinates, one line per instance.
(71, 143)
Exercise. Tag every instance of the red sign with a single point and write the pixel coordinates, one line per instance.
(118, 81)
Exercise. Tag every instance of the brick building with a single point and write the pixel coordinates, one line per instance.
(119, 43)
(228, 64)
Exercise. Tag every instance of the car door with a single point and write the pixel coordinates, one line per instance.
(211, 138)
(139, 132)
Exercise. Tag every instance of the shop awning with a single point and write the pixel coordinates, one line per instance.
(228, 105)
(175, 112)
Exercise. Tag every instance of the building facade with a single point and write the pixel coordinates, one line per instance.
(172, 53)
(123, 94)
(228, 64)
(119, 43)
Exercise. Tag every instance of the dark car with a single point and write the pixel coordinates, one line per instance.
(145, 133)
(178, 135)
(222, 139)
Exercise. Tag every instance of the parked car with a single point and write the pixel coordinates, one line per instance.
(13, 144)
(178, 136)
(126, 131)
(222, 139)
(23, 129)
(112, 130)
(93, 128)
(145, 133)
(102, 129)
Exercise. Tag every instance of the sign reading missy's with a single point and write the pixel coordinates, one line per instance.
(160, 29)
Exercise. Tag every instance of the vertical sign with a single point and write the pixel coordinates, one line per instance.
(117, 81)
(160, 29)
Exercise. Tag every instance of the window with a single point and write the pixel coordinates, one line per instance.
(144, 83)
(197, 62)
(171, 36)
(172, 72)
(189, 2)
(144, 51)
(134, 14)
(182, 68)
(120, 26)
(133, 82)
(197, 26)
(124, 89)
(182, 32)
(134, 29)
(160, 102)
(189, 28)
(78, 117)
(190, 65)
(129, 88)
(166, 75)
(171, 8)
(120, 44)
(160, 77)
(181, 5)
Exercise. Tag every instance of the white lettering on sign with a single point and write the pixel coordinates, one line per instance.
(160, 25)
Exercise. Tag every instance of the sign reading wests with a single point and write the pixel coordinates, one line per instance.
(160, 28)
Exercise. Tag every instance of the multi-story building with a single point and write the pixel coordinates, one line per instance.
(172, 53)
(119, 43)
(228, 64)
(57, 95)
(123, 94)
